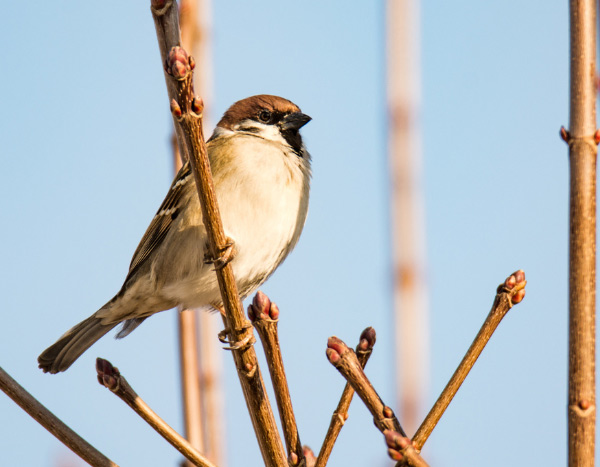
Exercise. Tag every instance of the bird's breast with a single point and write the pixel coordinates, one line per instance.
(263, 199)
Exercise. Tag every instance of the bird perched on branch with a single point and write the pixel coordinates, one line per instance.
(261, 175)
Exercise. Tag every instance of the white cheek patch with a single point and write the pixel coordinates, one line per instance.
(268, 132)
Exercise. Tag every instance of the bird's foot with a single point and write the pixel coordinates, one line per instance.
(227, 254)
(242, 344)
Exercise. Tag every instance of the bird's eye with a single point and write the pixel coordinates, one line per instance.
(264, 116)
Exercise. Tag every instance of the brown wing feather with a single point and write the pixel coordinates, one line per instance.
(162, 221)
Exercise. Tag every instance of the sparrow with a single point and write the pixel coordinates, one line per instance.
(261, 173)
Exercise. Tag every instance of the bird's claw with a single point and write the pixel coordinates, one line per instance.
(227, 254)
(244, 343)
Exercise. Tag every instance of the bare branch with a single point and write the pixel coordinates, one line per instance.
(264, 315)
(510, 292)
(187, 114)
(109, 377)
(52, 423)
(340, 415)
(583, 140)
(346, 362)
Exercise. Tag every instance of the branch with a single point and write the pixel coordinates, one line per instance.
(510, 292)
(264, 315)
(52, 423)
(346, 362)
(109, 377)
(583, 140)
(340, 415)
(187, 115)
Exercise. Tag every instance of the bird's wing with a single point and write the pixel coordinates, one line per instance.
(163, 220)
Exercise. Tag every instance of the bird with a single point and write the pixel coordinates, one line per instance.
(261, 173)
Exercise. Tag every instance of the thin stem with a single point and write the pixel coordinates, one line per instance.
(110, 377)
(511, 291)
(264, 316)
(346, 362)
(582, 139)
(52, 423)
(364, 349)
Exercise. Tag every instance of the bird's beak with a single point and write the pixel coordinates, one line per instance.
(294, 121)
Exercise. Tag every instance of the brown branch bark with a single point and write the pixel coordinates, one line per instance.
(510, 292)
(52, 423)
(364, 350)
(347, 363)
(264, 316)
(187, 110)
(109, 377)
(583, 141)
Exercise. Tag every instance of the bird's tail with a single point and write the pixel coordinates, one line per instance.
(61, 355)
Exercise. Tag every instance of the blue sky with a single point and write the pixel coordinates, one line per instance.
(85, 163)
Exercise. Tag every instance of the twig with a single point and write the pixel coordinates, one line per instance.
(583, 141)
(346, 362)
(109, 377)
(264, 315)
(340, 415)
(187, 116)
(510, 292)
(51, 423)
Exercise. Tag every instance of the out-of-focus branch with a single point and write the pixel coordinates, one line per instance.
(110, 377)
(193, 410)
(510, 292)
(406, 209)
(264, 315)
(583, 148)
(340, 415)
(193, 402)
(52, 423)
(187, 115)
(309, 455)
